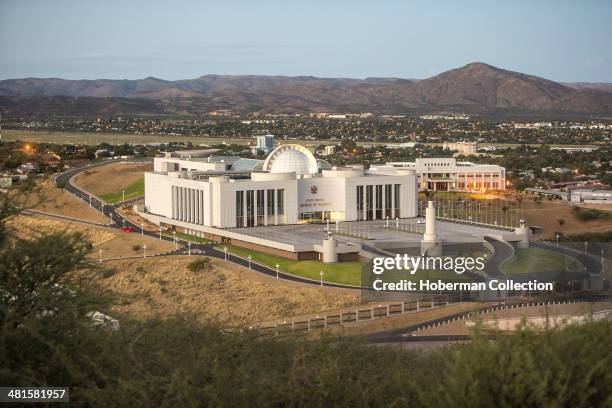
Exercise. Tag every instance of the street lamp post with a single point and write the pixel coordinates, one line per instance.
(387, 221)
(321, 273)
(160, 232)
(123, 192)
(141, 228)
(189, 248)
(557, 236)
(277, 266)
(90, 201)
(100, 255)
(396, 222)
(175, 243)
(586, 246)
(250, 257)
(123, 223)
(144, 251)
(225, 253)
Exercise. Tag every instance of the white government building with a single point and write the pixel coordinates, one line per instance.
(290, 186)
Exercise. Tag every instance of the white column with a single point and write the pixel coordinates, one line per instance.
(197, 206)
(173, 188)
(202, 207)
(190, 205)
(180, 202)
(430, 223)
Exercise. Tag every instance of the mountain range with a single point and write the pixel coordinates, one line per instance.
(476, 87)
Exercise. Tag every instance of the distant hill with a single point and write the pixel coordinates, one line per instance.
(476, 87)
(598, 86)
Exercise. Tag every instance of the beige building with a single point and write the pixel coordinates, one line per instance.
(447, 174)
(465, 148)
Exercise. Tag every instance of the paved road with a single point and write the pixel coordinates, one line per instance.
(501, 252)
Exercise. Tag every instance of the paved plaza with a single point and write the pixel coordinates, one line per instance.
(378, 233)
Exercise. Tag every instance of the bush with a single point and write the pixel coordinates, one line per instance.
(589, 214)
(136, 247)
(561, 221)
(200, 265)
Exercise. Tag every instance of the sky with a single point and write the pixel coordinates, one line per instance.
(561, 40)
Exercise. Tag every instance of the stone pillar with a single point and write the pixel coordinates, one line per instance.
(431, 244)
(330, 249)
(522, 232)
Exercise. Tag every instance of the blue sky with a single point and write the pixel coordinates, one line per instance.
(561, 40)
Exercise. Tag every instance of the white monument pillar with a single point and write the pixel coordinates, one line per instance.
(330, 249)
(522, 232)
(431, 245)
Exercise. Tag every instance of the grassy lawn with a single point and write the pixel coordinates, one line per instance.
(538, 260)
(134, 190)
(341, 272)
(187, 237)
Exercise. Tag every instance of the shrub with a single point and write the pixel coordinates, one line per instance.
(589, 214)
(200, 265)
(136, 247)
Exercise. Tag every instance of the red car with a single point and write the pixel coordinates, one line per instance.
(127, 229)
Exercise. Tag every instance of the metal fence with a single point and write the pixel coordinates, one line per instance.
(360, 315)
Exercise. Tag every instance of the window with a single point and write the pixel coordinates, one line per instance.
(396, 203)
(280, 205)
(379, 197)
(239, 208)
(260, 207)
(270, 208)
(369, 202)
(250, 204)
(388, 201)
(360, 202)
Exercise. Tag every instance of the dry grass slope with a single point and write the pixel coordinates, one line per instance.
(165, 287)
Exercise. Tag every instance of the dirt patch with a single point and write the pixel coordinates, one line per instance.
(548, 213)
(112, 177)
(51, 199)
(30, 226)
(124, 245)
(165, 287)
(602, 207)
(114, 243)
(128, 212)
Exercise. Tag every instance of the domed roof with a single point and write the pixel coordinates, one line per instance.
(291, 158)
